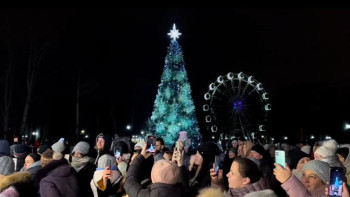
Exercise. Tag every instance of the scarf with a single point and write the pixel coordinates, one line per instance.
(79, 163)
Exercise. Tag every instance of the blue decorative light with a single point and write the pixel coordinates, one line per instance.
(238, 105)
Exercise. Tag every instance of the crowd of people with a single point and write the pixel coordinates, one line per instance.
(118, 167)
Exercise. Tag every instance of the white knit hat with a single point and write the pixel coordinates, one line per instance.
(320, 168)
(82, 147)
(306, 149)
(58, 147)
(140, 144)
(328, 148)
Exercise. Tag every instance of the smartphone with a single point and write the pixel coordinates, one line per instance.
(177, 145)
(217, 164)
(151, 145)
(336, 181)
(280, 157)
(117, 154)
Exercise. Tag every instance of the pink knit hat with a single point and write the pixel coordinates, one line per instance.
(182, 136)
(165, 172)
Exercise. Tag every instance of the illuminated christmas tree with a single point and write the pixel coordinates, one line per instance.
(174, 110)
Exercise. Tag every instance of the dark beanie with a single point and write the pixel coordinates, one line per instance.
(19, 150)
(344, 152)
(259, 149)
(42, 149)
(34, 156)
(4, 148)
(208, 151)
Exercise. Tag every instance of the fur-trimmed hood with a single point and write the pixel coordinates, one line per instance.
(17, 177)
(212, 192)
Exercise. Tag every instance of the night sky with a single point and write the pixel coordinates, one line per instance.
(301, 56)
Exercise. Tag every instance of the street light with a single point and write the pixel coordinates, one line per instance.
(82, 132)
(312, 137)
(128, 127)
(347, 126)
(142, 132)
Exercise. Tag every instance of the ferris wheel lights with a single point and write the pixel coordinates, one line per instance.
(230, 76)
(268, 107)
(250, 79)
(220, 79)
(212, 86)
(261, 127)
(240, 76)
(206, 107)
(265, 96)
(206, 96)
(208, 119)
(214, 128)
(258, 86)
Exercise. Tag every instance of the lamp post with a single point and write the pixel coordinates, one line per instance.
(347, 126)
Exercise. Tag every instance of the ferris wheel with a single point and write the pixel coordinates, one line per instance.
(236, 104)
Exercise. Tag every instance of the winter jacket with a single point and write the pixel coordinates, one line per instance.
(33, 169)
(133, 186)
(347, 163)
(57, 179)
(21, 182)
(257, 186)
(295, 188)
(84, 177)
(113, 182)
(19, 163)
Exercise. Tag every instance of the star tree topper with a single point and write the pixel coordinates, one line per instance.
(174, 33)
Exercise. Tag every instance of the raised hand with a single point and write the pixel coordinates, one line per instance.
(282, 174)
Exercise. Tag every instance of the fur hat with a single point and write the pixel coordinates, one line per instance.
(7, 166)
(82, 147)
(328, 148)
(165, 172)
(320, 168)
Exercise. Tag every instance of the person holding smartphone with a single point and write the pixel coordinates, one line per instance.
(315, 175)
(203, 162)
(165, 176)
